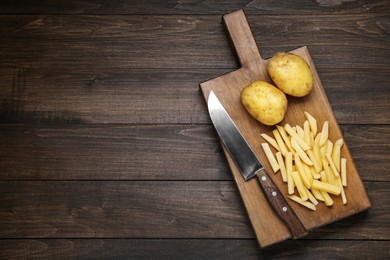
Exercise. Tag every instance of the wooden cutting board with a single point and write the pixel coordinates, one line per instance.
(268, 227)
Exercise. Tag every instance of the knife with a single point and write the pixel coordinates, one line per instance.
(250, 166)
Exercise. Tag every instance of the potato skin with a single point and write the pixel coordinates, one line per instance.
(291, 74)
(266, 103)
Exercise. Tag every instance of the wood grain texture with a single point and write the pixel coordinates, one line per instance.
(160, 96)
(156, 209)
(144, 152)
(191, 7)
(111, 153)
(40, 79)
(188, 249)
(106, 147)
(129, 42)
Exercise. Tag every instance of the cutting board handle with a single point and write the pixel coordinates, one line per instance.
(242, 39)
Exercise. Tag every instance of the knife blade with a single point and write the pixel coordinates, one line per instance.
(250, 166)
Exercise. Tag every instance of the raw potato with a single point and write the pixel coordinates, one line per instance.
(264, 102)
(291, 74)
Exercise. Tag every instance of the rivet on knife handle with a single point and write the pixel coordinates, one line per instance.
(280, 205)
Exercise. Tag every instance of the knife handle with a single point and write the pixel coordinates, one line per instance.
(280, 205)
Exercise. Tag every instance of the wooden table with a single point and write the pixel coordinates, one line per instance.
(106, 146)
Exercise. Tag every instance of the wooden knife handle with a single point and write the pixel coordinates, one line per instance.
(280, 205)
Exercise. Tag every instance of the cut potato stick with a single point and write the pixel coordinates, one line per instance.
(311, 197)
(300, 132)
(323, 186)
(323, 178)
(317, 138)
(325, 166)
(314, 161)
(271, 141)
(270, 157)
(317, 194)
(317, 154)
(323, 149)
(301, 172)
(316, 175)
(298, 182)
(306, 131)
(342, 193)
(327, 199)
(280, 142)
(282, 166)
(290, 181)
(307, 204)
(329, 148)
(336, 153)
(285, 138)
(330, 178)
(308, 173)
(344, 171)
(300, 152)
(311, 138)
(330, 161)
(294, 135)
(312, 122)
(324, 133)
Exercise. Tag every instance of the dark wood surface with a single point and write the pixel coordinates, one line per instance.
(106, 147)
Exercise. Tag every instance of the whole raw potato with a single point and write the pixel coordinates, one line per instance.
(291, 74)
(266, 103)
